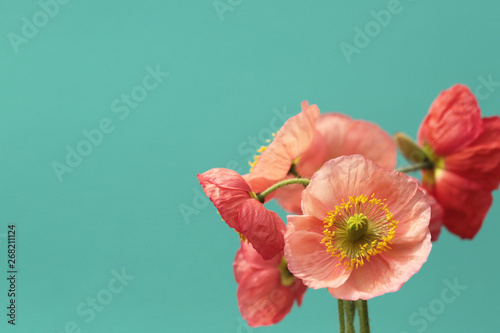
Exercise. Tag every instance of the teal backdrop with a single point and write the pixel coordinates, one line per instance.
(109, 109)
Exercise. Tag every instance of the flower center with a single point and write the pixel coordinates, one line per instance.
(287, 278)
(358, 229)
(357, 225)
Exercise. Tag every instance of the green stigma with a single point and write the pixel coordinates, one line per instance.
(357, 226)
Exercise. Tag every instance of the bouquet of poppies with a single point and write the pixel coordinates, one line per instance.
(357, 226)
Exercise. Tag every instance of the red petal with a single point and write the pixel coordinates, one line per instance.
(464, 208)
(227, 190)
(480, 161)
(453, 121)
(264, 229)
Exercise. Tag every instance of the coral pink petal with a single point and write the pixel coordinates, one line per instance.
(453, 121)
(248, 261)
(314, 157)
(333, 128)
(298, 132)
(290, 142)
(307, 257)
(227, 190)
(337, 180)
(386, 272)
(262, 299)
(405, 201)
(272, 166)
(263, 228)
(480, 161)
(369, 140)
(464, 208)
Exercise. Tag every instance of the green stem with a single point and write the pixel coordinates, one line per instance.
(415, 167)
(349, 313)
(341, 316)
(364, 323)
(263, 195)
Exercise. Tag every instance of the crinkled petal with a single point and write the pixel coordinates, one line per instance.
(480, 161)
(227, 190)
(336, 180)
(453, 121)
(264, 229)
(307, 257)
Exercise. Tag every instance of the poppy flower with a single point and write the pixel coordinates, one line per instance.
(364, 230)
(336, 135)
(464, 152)
(290, 142)
(239, 208)
(266, 289)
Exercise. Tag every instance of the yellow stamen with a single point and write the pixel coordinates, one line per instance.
(259, 151)
(359, 229)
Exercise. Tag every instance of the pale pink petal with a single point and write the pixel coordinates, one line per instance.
(336, 180)
(307, 257)
(264, 229)
(314, 157)
(453, 121)
(290, 142)
(272, 166)
(369, 140)
(298, 132)
(386, 272)
(405, 201)
(333, 128)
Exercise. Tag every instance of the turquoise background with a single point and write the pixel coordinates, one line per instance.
(230, 75)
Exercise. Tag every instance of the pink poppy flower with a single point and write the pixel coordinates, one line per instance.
(274, 162)
(364, 232)
(240, 209)
(336, 135)
(465, 153)
(266, 289)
